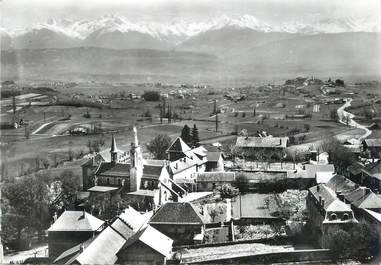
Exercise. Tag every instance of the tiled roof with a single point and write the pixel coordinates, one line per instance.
(73, 250)
(374, 168)
(76, 221)
(355, 168)
(215, 176)
(326, 193)
(106, 245)
(373, 142)
(312, 169)
(102, 189)
(262, 142)
(341, 184)
(214, 156)
(177, 213)
(152, 238)
(111, 169)
(338, 206)
(200, 151)
(152, 171)
(145, 193)
(178, 146)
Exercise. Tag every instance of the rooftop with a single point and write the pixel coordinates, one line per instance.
(215, 176)
(152, 238)
(373, 142)
(177, 213)
(76, 221)
(102, 189)
(262, 142)
(178, 146)
(113, 169)
(312, 169)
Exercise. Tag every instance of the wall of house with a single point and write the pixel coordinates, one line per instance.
(87, 177)
(140, 254)
(188, 173)
(315, 217)
(182, 234)
(59, 242)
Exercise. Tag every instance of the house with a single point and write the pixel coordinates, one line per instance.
(359, 197)
(326, 213)
(354, 171)
(371, 176)
(373, 146)
(147, 246)
(105, 247)
(71, 229)
(208, 181)
(215, 161)
(180, 221)
(266, 146)
(177, 149)
(320, 172)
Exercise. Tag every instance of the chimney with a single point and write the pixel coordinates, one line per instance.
(318, 188)
(81, 248)
(319, 199)
(322, 203)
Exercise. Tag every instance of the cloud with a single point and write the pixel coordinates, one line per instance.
(24, 12)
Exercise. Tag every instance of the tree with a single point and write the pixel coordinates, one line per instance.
(159, 145)
(186, 134)
(333, 114)
(241, 182)
(216, 122)
(227, 191)
(27, 206)
(339, 155)
(195, 137)
(364, 242)
(339, 82)
(69, 188)
(151, 96)
(340, 243)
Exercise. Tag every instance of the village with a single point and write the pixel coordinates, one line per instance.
(156, 173)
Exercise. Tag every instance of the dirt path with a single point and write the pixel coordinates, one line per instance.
(346, 118)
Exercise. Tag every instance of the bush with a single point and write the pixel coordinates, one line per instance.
(151, 96)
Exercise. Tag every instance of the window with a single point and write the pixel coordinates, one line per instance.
(333, 217)
(345, 216)
(108, 181)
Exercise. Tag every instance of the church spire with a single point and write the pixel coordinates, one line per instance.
(113, 150)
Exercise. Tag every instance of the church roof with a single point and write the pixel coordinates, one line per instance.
(178, 146)
(113, 169)
(76, 221)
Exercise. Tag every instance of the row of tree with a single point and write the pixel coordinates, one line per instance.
(190, 137)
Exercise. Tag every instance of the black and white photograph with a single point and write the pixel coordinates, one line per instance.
(178, 132)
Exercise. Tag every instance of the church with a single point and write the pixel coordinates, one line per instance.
(152, 181)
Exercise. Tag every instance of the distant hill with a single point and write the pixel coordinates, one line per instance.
(341, 53)
(49, 63)
(224, 55)
(231, 40)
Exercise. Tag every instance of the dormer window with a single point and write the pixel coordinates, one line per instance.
(345, 216)
(332, 217)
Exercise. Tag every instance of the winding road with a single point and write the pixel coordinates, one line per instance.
(346, 118)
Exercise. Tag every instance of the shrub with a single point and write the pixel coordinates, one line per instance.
(151, 96)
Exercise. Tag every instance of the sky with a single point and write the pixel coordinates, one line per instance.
(23, 13)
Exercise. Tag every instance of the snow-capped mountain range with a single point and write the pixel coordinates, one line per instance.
(178, 31)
